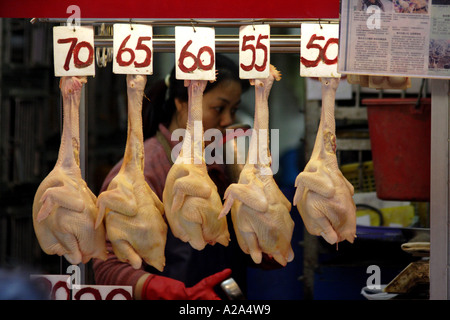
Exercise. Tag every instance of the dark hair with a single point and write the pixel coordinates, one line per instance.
(160, 105)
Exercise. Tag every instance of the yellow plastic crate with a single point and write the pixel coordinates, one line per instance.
(352, 173)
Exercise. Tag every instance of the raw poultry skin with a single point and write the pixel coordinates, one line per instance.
(191, 201)
(324, 197)
(134, 215)
(64, 210)
(259, 210)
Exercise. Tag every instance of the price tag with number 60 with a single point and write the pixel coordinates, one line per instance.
(73, 51)
(254, 51)
(319, 50)
(133, 49)
(195, 53)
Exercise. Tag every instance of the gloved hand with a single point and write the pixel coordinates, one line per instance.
(164, 288)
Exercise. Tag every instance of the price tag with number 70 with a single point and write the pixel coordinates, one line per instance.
(73, 51)
(319, 50)
(133, 49)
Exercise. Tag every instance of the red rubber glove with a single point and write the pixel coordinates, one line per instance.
(164, 288)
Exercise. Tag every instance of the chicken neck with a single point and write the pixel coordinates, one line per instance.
(325, 145)
(69, 150)
(259, 141)
(134, 149)
(193, 145)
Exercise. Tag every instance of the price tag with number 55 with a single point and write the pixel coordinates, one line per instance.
(133, 49)
(254, 51)
(73, 51)
(195, 53)
(319, 50)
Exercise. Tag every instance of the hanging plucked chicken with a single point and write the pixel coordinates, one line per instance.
(324, 197)
(191, 201)
(134, 215)
(259, 210)
(64, 209)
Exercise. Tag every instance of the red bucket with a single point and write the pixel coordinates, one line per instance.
(400, 137)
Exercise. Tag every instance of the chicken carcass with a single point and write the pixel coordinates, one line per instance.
(134, 215)
(64, 210)
(259, 210)
(324, 197)
(191, 201)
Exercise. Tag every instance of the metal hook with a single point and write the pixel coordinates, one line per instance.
(109, 54)
(320, 24)
(131, 26)
(97, 57)
(101, 57)
(253, 24)
(192, 23)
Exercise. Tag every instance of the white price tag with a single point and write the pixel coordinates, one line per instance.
(133, 49)
(319, 50)
(195, 53)
(73, 51)
(102, 292)
(254, 51)
(54, 286)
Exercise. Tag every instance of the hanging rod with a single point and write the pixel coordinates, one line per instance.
(223, 43)
(277, 23)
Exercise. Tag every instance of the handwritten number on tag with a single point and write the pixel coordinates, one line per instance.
(198, 63)
(139, 46)
(322, 54)
(259, 45)
(74, 50)
(148, 56)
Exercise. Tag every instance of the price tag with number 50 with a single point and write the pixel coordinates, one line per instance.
(319, 50)
(254, 51)
(133, 49)
(73, 51)
(195, 53)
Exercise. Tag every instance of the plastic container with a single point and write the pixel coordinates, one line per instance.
(352, 172)
(400, 136)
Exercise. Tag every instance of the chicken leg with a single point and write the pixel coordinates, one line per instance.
(191, 201)
(259, 210)
(64, 210)
(324, 197)
(134, 214)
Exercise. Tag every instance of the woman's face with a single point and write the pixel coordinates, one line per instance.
(220, 105)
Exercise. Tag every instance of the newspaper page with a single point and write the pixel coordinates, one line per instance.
(409, 38)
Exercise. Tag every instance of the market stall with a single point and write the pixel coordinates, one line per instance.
(318, 164)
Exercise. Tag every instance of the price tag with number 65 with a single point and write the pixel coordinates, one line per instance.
(73, 51)
(254, 51)
(195, 53)
(133, 49)
(319, 50)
